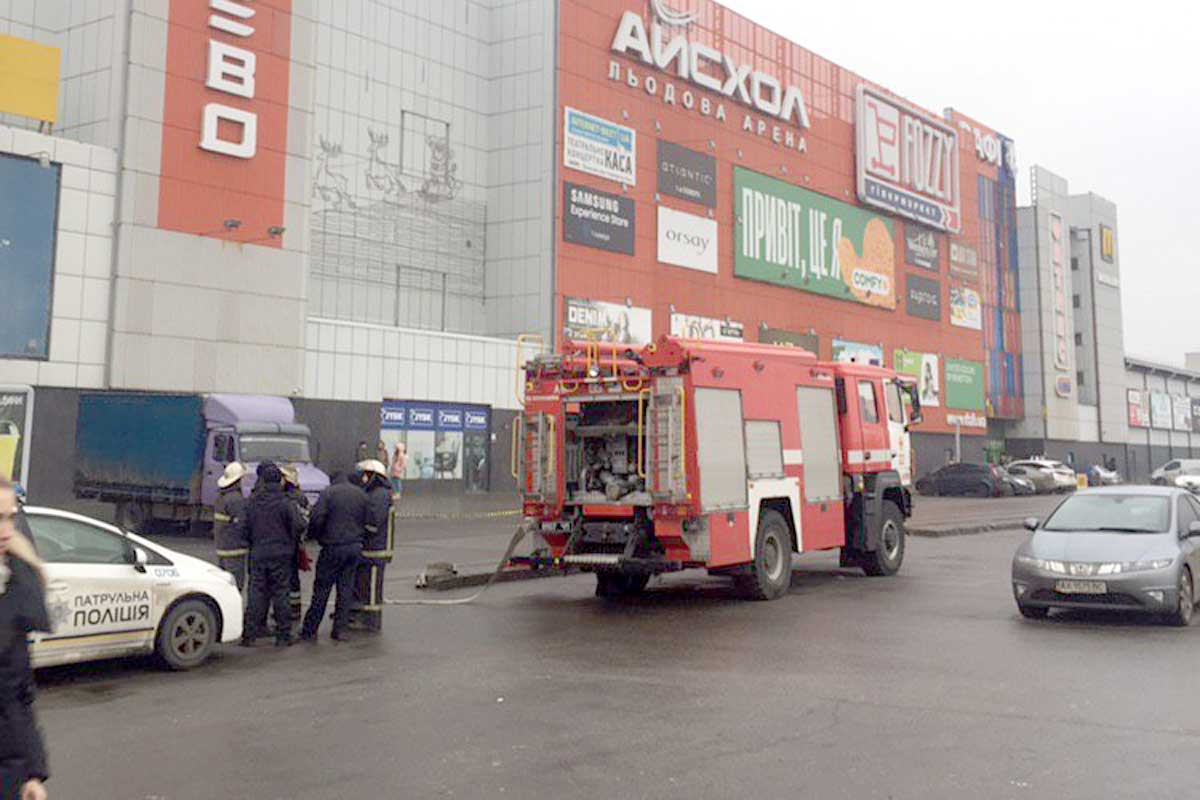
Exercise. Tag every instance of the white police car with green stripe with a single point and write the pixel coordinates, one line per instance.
(114, 594)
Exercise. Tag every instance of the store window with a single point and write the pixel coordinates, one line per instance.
(443, 442)
(28, 221)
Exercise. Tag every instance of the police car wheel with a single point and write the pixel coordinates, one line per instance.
(187, 635)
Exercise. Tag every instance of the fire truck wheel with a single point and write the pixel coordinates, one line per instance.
(770, 575)
(887, 559)
(619, 584)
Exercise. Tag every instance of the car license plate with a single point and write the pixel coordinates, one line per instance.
(1080, 587)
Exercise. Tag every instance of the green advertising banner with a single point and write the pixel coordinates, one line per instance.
(793, 237)
(923, 367)
(964, 384)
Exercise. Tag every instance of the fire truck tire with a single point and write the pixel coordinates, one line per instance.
(770, 575)
(619, 584)
(887, 559)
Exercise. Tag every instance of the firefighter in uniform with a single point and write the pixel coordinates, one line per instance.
(377, 549)
(227, 510)
(291, 487)
(272, 525)
(338, 523)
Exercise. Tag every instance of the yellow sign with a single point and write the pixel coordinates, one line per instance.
(29, 79)
(1108, 244)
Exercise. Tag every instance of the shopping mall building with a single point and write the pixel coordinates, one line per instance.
(362, 204)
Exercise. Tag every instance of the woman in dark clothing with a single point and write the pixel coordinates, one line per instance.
(22, 610)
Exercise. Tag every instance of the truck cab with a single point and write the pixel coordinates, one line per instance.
(683, 453)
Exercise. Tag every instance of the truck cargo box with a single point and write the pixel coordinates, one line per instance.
(143, 447)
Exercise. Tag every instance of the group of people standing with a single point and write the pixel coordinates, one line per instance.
(260, 537)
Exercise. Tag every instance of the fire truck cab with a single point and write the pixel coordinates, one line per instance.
(724, 456)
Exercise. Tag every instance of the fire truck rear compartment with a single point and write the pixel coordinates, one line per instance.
(603, 445)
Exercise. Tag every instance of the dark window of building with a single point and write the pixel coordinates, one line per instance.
(1074, 263)
(28, 220)
(1075, 300)
(1079, 377)
(1079, 340)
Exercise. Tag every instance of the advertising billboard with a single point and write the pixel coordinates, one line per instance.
(1160, 410)
(858, 352)
(793, 237)
(924, 298)
(805, 341)
(908, 161)
(922, 247)
(599, 147)
(1138, 402)
(1108, 244)
(964, 384)
(923, 367)
(28, 229)
(692, 326)
(16, 424)
(1182, 416)
(686, 174)
(687, 240)
(965, 308)
(444, 441)
(1196, 415)
(606, 322)
(598, 219)
(29, 78)
(964, 262)
(1058, 277)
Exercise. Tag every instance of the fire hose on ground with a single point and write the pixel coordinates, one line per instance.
(461, 601)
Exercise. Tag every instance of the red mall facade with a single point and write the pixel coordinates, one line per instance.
(716, 179)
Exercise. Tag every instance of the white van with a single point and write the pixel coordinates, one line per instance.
(1168, 472)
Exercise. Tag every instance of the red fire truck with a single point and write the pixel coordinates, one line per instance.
(721, 455)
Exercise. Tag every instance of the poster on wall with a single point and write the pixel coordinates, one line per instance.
(16, 422)
(965, 308)
(1138, 402)
(907, 161)
(1108, 244)
(1160, 410)
(692, 326)
(921, 247)
(857, 352)
(687, 240)
(686, 174)
(1196, 415)
(606, 322)
(964, 384)
(1182, 408)
(923, 367)
(777, 336)
(924, 298)
(444, 441)
(1058, 274)
(598, 219)
(964, 262)
(28, 222)
(599, 147)
(792, 237)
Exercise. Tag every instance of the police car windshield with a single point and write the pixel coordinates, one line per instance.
(1120, 513)
(280, 449)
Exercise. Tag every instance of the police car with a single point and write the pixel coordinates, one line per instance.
(113, 594)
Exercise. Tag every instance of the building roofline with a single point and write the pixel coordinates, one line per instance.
(1133, 362)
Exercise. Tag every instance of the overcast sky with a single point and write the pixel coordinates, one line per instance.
(1107, 95)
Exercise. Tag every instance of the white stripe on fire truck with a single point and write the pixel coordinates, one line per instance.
(876, 457)
(793, 458)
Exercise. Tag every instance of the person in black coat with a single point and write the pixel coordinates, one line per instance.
(272, 525)
(339, 525)
(23, 769)
(377, 547)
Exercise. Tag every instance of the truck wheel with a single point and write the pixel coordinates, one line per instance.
(770, 576)
(887, 558)
(620, 584)
(187, 635)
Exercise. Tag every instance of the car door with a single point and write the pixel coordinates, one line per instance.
(1189, 512)
(100, 603)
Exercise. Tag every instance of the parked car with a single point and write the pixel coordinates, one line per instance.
(1016, 484)
(1043, 480)
(1189, 482)
(1131, 548)
(1168, 472)
(111, 594)
(1064, 476)
(1099, 475)
(963, 480)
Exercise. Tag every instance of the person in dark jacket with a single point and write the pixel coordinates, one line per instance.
(377, 548)
(338, 524)
(232, 550)
(291, 487)
(272, 525)
(23, 769)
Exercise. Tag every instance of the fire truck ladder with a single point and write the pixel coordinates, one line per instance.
(665, 440)
(535, 466)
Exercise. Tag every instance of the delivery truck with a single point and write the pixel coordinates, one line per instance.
(157, 457)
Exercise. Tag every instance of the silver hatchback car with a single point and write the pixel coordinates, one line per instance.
(1128, 548)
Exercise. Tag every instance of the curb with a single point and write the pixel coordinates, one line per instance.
(472, 580)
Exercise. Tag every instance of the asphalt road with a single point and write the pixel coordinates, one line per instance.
(925, 685)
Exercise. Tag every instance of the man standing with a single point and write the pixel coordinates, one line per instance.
(338, 524)
(272, 525)
(227, 510)
(377, 549)
(291, 487)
